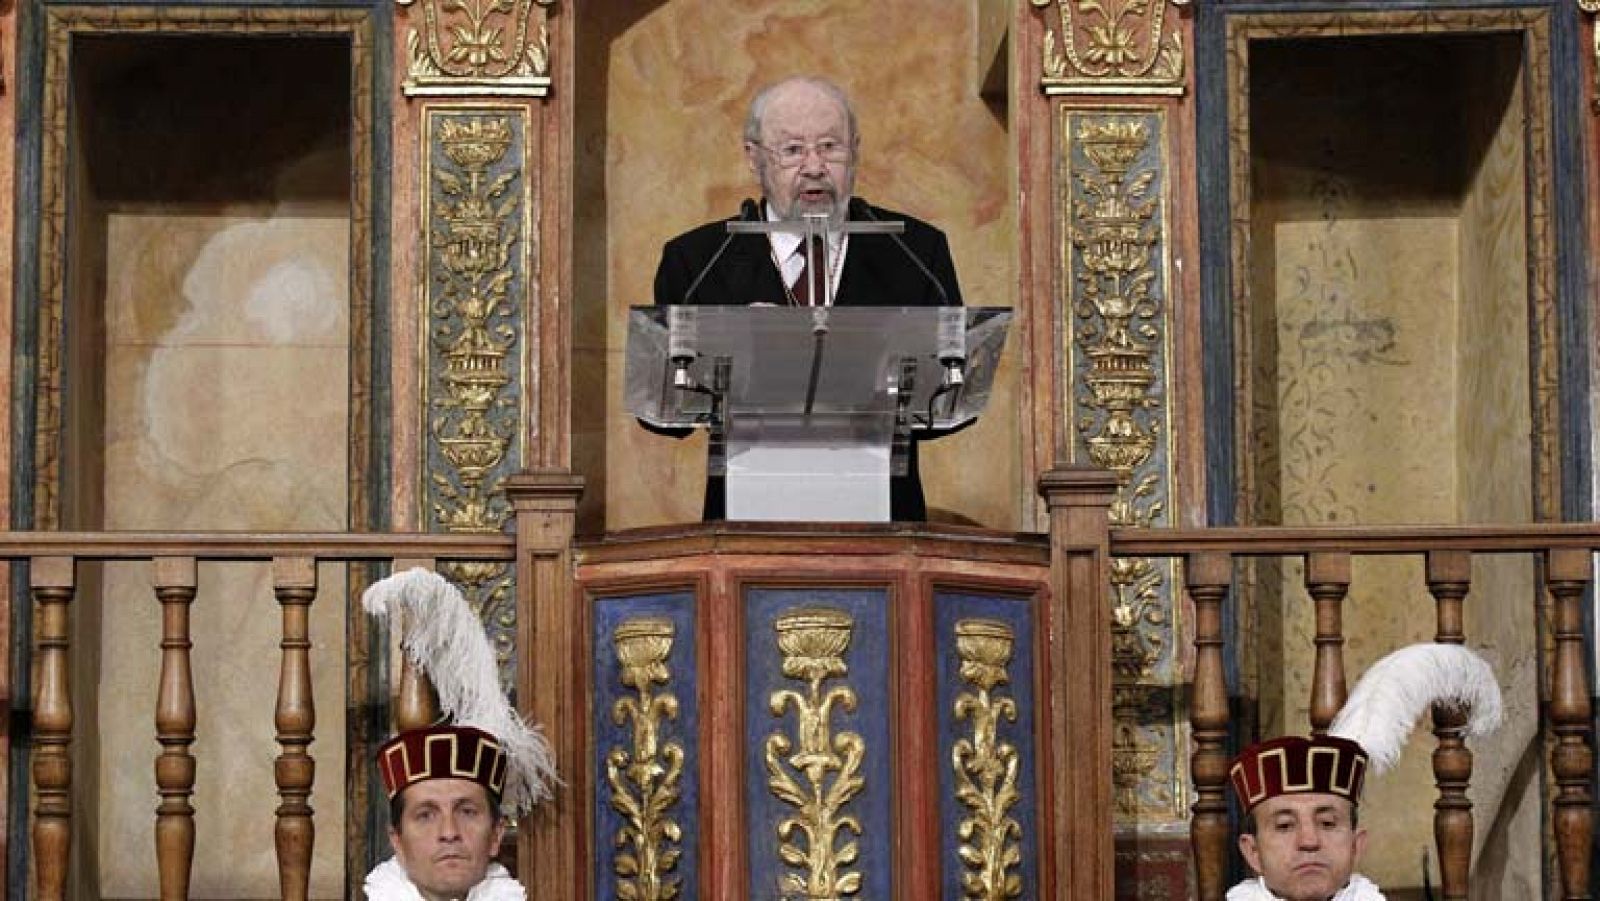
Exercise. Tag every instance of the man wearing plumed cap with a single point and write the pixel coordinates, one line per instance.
(444, 785)
(1300, 832)
(453, 786)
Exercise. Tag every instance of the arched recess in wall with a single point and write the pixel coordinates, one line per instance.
(200, 348)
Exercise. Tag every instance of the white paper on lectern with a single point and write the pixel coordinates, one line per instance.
(808, 483)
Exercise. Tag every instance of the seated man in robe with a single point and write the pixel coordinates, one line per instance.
(801, 143)
(1300, 832)
(444, 785)
(1298, 796)
(452, 788)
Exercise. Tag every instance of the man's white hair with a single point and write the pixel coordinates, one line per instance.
(758, 104)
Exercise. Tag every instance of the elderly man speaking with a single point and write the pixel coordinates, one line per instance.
(802, 145)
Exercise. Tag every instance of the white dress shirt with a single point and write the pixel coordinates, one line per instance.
(788, 251)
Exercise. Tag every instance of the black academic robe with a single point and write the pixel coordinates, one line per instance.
(877, 272)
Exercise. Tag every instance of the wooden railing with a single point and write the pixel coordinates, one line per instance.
(51, 560)
(1565, 553)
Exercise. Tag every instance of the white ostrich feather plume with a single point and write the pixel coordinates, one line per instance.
(445, 638)
(1398, 689)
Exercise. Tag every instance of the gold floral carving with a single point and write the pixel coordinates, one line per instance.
(1112, 47)
(817, 772)
(644, 779)
(474, 220)
(479, 48)
(985, 766)
(1116, 233)
(1135, 758)
(475, 231)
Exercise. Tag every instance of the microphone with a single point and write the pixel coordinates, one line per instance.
(951, 336)
(864, 209)
(682, 336)
(748, 211)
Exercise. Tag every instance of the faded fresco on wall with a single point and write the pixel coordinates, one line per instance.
(226, 398)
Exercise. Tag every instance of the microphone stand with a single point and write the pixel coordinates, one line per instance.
(809, 226)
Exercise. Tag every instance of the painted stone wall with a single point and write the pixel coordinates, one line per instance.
(226, 408)
(1390, 365)
(660, 116)
(1492, 472)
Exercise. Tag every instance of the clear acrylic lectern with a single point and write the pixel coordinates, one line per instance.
(811, 409)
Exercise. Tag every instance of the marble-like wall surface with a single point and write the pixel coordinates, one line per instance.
(1367, 392)
(226, 408)
(661, 106)
(1390, 366)
(1494, 464)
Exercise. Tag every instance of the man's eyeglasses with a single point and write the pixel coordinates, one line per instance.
(790, 154)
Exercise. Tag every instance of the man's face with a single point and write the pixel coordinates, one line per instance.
(1305, 846)
(446, 837)
(806, 159)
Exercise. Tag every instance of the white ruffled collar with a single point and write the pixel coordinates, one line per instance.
(1360, 888)
(388, 882)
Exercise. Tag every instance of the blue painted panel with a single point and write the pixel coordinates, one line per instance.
(866, 659)
(613, 738)
(1016, 616)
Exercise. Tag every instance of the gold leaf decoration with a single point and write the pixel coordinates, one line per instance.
(1116, 234)
(473, 217)
(986, 766)
(644, 778)
(1112, 47)
(479, 48)
(816, 772)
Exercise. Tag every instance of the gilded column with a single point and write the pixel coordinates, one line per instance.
(477, 87)
(478, 236)
(482, 153)
(1104, 85)
(1118, 354)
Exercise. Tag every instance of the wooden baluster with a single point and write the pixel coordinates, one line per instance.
(1208, 576)
(175, 721)
(1567, 572)
(1449, 573)
(294, 581)
(51, 579)
(416, 704)
(1328, 581)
